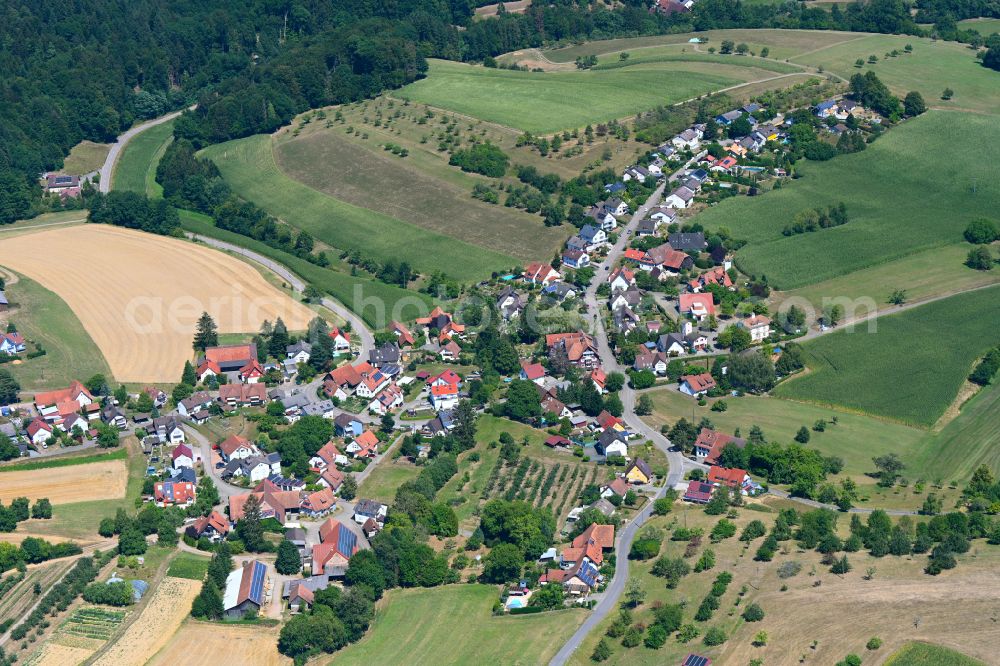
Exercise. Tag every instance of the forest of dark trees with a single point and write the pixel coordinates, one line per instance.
(90, 69)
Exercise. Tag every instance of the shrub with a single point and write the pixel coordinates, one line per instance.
(753, 613)
(714, 636)
(874, 643)
(789, 569)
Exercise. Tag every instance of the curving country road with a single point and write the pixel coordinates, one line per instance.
(108, 169)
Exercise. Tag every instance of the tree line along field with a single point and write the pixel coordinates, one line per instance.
(420, 189)
(911, 368)
(984, 26)
(417, 626)
(249, 167)
(820, 615)
(914, 189)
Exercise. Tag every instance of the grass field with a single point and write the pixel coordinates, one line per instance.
(855, 437)
(820, 615)
(984, 26)
(972, 439)
(85, 157)
(389, 475)
(188, 565)
(135, 170)
(886, 191)
(926, 274)
(925, 654)
(930, 68)
(781, 43)
(550, 101)
(418, 627)
(248, 166)
(44, 318)
(421, 189)
(65, 461)
(911, 368)
(136, 308)
(723, 64)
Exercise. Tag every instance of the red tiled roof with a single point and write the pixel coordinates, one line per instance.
(602, 535)
(688, 301)
(726, 477)
(230, 353)
(404, 333)
(68, 394)
(321, 500)
(367, 439)
(533, 371)
(702, 382)
(714, 442)
(232, 443)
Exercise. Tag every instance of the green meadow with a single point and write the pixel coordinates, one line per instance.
(912, 190)
(926, 654)
(136, 167)
(248, 165)
(911, 368)
(543, 102)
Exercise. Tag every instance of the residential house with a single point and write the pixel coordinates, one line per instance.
(552, 405)
(698, 306)
(450, 351)
(182, 456)
(274, 503)
(680, 197)
(625, 319)
(364, 445)
(338, 544)
(54, 406)
(403, 336)
(12, 343)
(541, 274)
(347, 425)
(533, 372)
(168, 430)
(236, 447)
(577, 348)
(200, 401)
(631, 298)
(332, 478)
(388, 399)
(717, 275)
(173, 493)
(595, 237)
(441, 321)
(114, 416)
(242, 395)
(327, 456)
(256, 468)
(671, 344)
(698, 492)
(710, 443)
(387, 354)
(728, 118)
(696, 385)
(207, 369)
(322, 408)
(341, 341)
(509, 302)
(598, 378)
(444, 390)
(576, 259)
(655, 361)
(638, 472)
(687, 242)
(733, 478)
(245, 590)
(63, 185)
(603, 218)
(319, 503)
(557, 441)
(664, 215)
(647, 227)
(559, 292)
(299, 352)
(637, 173)
(611, 443)
(617, 488)
(689, 139)
(39, 432)
(366, 509)
(213, 527)
(656, 166)
(826, 108)
(759, 327)
(621, 279)
(251, 373)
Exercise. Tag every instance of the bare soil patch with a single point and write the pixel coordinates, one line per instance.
(63, 485)
(139, 295)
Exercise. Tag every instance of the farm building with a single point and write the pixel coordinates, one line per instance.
(245, 590)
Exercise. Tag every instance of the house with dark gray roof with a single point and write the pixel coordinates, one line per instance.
(687, 241)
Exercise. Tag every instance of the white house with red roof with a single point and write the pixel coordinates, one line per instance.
(533, 372)
(696, 385)
(403, 336)
(730, 477)
(444, 390)
(235, 447)
(252, 372)
(11, 343)
(364, 445)
(698, 306)
(327, 456)
(541, 274)
(341, 341)
(174, 493)
(207, 369)
(390, 398)
(759, 327)
(56, 405)
(39, 432)
(621, 279)
(182, 456)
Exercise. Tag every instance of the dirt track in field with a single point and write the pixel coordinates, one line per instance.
(139, 295)
(63, 485)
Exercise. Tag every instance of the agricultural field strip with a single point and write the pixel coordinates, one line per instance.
(63, 485)
(122, 317)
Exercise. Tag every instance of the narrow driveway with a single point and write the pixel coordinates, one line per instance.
(108, 169)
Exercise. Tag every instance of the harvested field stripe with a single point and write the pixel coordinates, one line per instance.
(66, 461)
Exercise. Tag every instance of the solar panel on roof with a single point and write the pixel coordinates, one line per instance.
(346, 541)
(257, 583)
